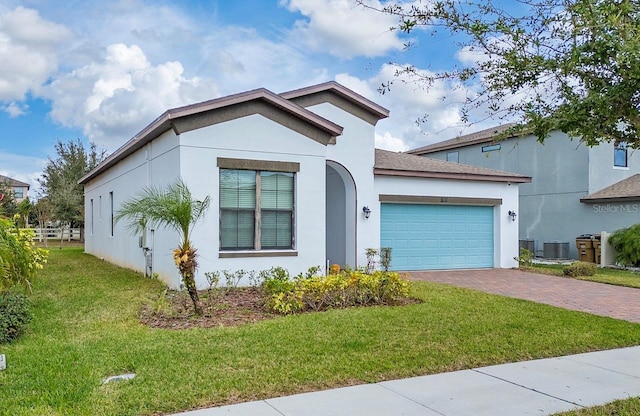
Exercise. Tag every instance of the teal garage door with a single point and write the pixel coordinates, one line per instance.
(433, 237)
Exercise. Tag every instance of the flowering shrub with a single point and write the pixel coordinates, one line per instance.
(19, 258)
(337, 290)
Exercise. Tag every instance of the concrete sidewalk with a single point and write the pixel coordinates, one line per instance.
(539, 387)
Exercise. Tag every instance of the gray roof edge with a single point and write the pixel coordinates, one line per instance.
(627, 189)
(339, 89)
(164, 121)
(467, 171)
(13, 182)
(482, 136)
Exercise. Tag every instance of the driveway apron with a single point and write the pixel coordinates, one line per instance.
(579, 295)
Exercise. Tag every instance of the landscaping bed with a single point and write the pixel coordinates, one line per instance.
(221, 308)
(86, 327)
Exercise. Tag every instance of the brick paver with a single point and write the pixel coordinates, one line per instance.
(596, 298)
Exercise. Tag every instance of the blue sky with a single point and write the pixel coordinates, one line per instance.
(101, 71)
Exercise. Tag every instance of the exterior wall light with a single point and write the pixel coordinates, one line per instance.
(513, 215)
(367, 211)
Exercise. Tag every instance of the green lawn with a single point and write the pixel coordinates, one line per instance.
(629, 407)
(86, 329)
(604, 275)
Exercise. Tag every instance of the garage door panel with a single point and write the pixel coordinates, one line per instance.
(427, 237)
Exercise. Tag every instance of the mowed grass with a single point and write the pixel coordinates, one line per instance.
(86, 329)
(616, 277)
(629, 407)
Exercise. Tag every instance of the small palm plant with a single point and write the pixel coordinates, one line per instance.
(172, 207)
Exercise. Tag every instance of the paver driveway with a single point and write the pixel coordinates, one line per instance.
(579, 295)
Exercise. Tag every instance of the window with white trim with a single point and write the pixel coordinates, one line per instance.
(620, 154)
(256, 209)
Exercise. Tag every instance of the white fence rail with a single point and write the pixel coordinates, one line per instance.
(67, 234)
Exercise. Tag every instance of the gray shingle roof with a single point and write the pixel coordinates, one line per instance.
(403, 164)
(482, 136)
(12, 182)
(625, 190)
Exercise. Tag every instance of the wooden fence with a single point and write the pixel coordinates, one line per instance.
(67, 234)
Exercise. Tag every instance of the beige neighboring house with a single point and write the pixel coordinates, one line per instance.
(20, 189)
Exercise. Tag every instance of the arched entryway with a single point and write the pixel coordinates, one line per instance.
(341, 216)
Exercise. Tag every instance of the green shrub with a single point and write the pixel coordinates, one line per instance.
(338, 290)
(19, 259)
(14, 315)
(626, 242)
(580, 268)
(526, 258)
(385, 258)
(276, 280)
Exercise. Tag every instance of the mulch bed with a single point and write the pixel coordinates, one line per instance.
(221, 308)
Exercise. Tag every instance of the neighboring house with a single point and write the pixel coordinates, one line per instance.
(295, 182)
(20, 189)
(575, 189)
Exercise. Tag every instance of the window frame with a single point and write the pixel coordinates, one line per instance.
(453, 155)
(112, 215)
(257, 167)
(19, 189)
(491, 148)
(618, 148)
(91, 214)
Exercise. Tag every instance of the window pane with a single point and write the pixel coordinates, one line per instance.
(491, 148)
(17, 192)
(620, 155)
(236, 229)
(276, 229)
(237, 188)
(276, 190)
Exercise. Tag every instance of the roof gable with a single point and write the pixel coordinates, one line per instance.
(206, 113)
(13, 182)
(340, 96)
(402, 164)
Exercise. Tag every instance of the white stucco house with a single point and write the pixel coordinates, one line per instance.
(291, 177)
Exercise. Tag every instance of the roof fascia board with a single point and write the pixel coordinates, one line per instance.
(448, 175)
(166, 121)
(374, 109)
(588, 200)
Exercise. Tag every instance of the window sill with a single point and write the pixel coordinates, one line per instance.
(621, 167)
(262, 253)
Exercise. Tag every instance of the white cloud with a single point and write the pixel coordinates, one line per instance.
(410, 102)
(15, 109)
(343, 29)
(13, 166)
(241, 59)
(28, 51)
(420, 116)
(387, 142)
(115, 97)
